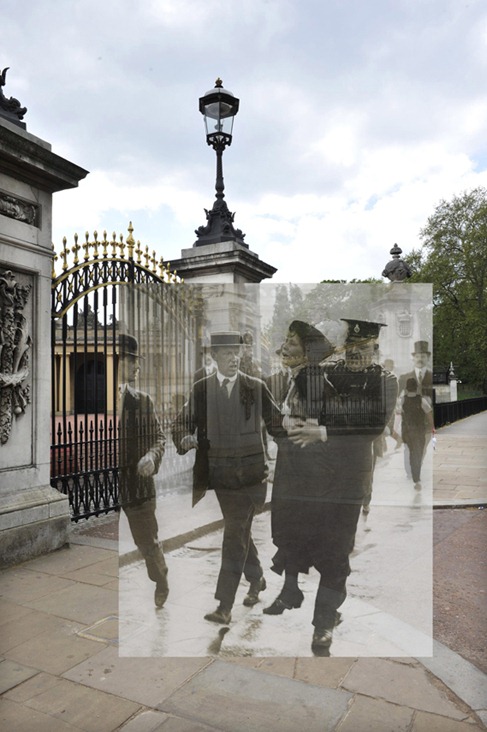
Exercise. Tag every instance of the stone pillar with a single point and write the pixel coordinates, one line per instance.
(222, 269)
(34, 517)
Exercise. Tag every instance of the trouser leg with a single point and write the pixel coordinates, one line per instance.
(334, 567)
(143, 527)
(239, 553)
(416, 450)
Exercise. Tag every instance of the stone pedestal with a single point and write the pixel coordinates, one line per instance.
(34, 517)
(225, 262)
(223, 269)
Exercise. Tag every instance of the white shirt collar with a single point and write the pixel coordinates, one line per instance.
(221, 378)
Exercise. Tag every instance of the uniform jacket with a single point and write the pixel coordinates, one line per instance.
(230, 449)
(140, 433)
(354, 418)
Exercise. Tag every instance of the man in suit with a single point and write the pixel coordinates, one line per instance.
(208, 365)
(423, 375)
(424, 380)
(223, 421)
(142, 443)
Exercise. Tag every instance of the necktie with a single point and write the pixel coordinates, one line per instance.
(224, 387)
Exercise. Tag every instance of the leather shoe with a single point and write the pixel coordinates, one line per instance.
(161, 593)
(322, 638)
(284, 601)
(252, 596)
(221, 615)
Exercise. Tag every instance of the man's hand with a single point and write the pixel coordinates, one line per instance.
(146, 466)
(189, 442)
(307, 434)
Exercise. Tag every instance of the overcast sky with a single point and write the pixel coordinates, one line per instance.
(356, 118)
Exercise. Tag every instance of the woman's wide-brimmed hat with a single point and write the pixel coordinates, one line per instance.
(317, 346)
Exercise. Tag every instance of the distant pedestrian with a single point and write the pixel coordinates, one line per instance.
(421, 371)
(142, 443)
(417, 422)
(424, 378)
(208, 366)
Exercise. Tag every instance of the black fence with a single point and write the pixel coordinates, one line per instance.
(447, 412)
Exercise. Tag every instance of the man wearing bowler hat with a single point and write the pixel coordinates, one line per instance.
(142, 443)
(223, 420)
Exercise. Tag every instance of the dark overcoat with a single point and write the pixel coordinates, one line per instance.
(355, 409)
(140, 433)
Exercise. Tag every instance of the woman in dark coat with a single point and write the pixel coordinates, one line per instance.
(302, 462)
(334, 414)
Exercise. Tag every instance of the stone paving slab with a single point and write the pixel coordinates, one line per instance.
(78, 602)
(147, 681)
(248, 700)
(56, 651)
(86, 709)
(374, 715)
(455, 672)
(26, 628)
(146, 721)
(400, 684)
(16, 717)
(102, 572)
(22, 585)
(11, 611)
(12, 674)
(424, 722)
(66, 560)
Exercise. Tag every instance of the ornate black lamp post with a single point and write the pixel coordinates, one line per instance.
(219, 107)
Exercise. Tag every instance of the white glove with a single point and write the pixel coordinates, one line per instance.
(189, 442)
(146, 466)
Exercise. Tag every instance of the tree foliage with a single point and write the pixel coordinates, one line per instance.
(453, 257)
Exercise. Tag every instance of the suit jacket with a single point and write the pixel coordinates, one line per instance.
(426, 387)
(200, 374)
(230, 451)
(140, 433)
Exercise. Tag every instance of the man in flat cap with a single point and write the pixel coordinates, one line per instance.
(223, 421)
(142, 443)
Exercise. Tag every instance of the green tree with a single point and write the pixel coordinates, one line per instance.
(453, 257)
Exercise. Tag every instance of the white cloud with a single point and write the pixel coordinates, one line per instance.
(355, 118)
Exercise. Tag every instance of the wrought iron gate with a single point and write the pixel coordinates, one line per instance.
(86, 319)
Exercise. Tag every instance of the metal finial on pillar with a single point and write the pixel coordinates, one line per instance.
(397, 270)
(10, 109)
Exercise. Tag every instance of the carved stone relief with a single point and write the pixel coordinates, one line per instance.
(15, 344)
(16, 208)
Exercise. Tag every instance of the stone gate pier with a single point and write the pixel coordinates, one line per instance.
(34, 517)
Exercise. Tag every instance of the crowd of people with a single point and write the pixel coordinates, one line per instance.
(327, 408)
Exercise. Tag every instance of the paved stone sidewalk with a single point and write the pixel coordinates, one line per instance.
(60, 669)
